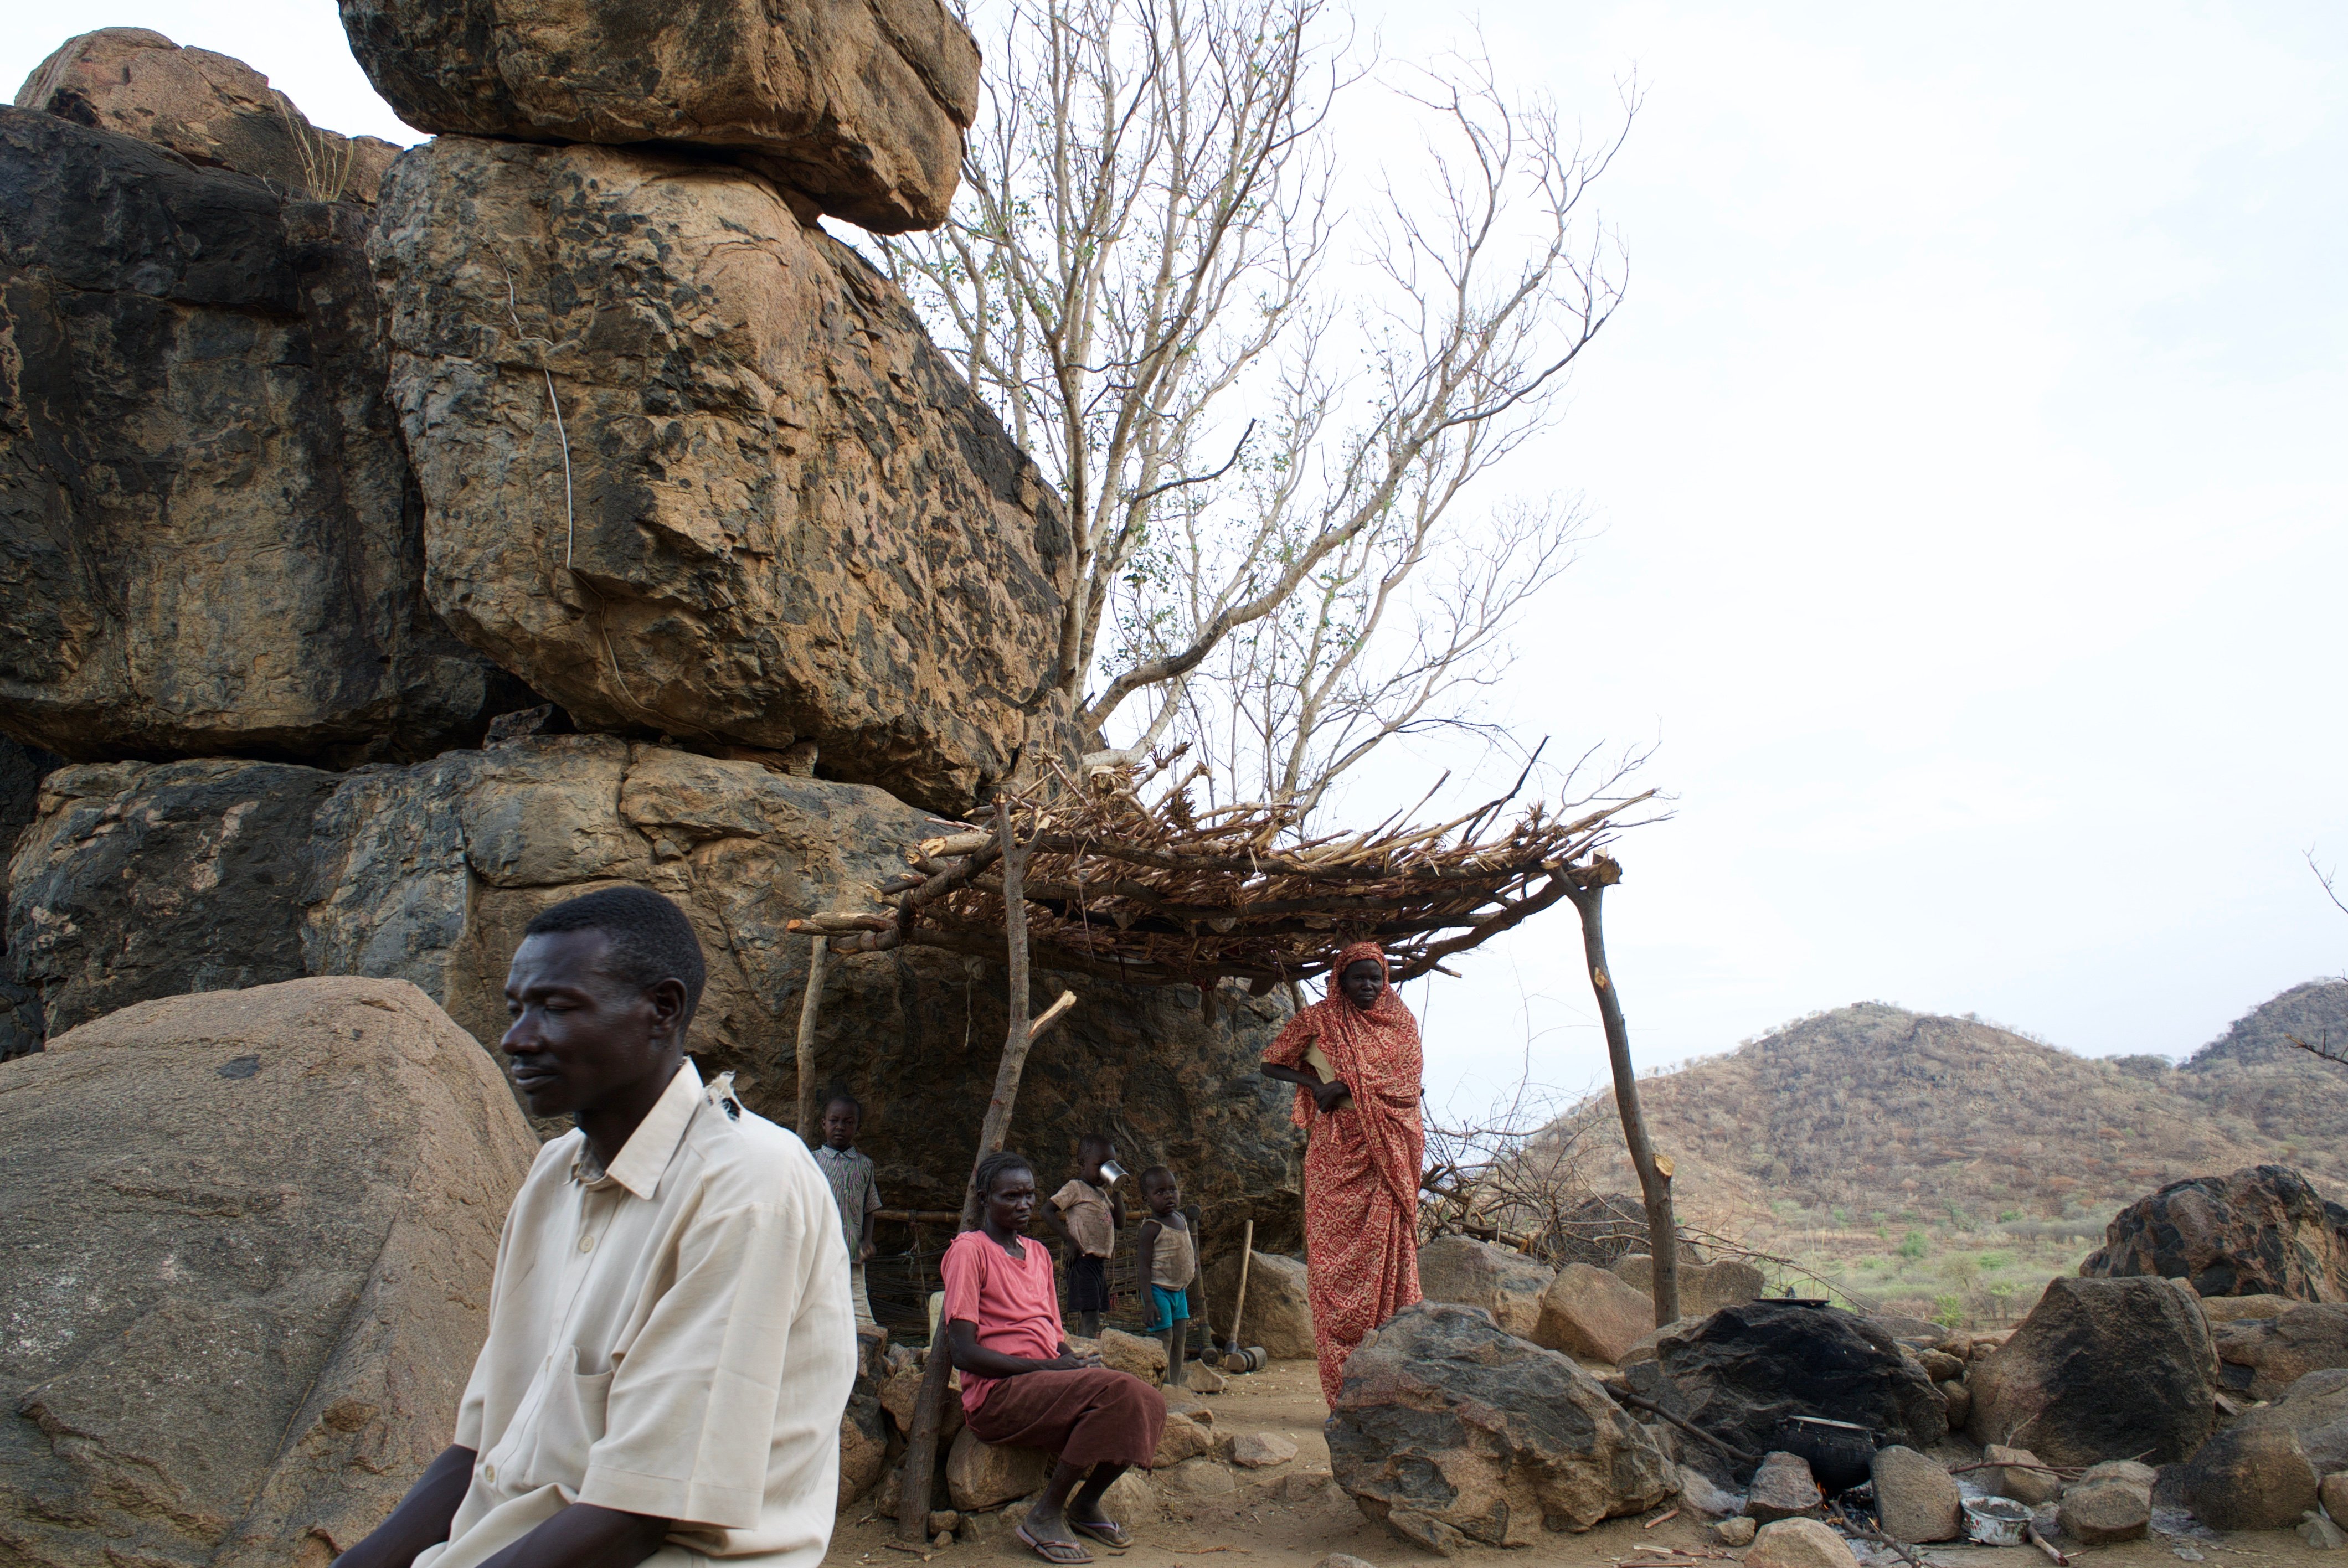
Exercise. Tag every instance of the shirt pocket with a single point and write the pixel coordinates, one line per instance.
(569, 1421)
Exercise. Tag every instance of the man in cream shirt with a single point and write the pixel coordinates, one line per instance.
(671, 1343)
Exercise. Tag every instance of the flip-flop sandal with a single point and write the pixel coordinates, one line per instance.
(1066, 1553)
(1107, 1532)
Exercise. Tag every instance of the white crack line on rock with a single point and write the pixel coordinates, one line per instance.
(563, 437)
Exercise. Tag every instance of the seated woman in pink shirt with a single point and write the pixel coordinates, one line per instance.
(1023, 1386)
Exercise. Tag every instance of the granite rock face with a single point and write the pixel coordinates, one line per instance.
(209, 542)
(236, 1341)
(2101, 1370)
(2260, 1358)
(2261, 1231)
(788, 519)
(2315, 1410)
(1501, 1280)
(1451, 1431)
(140, 880)
(21, 768)
(209, 109)
(1278, 1311)
(2250, 1478)
(858, 104)
(1593, 1313)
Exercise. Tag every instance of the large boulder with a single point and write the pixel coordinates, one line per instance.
(2314, 1409)
(2101, 1370)
(1703, 1287)
(1593, 1313)
(988, 1475)
(1501, 1280)
(2261, 1231)
(1745, 1369)
(2250, 1478)
(210, 541)
(249, 1242)
(140, 880)
(771, 514)
(21, 768)
(211, 110)
(429, 873)
(1451, 1431)
(1278, 1311)
(859, 106)
(1916, 1498)
(2261, 1356)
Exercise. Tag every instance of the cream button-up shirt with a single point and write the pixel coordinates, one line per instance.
(671, 1336)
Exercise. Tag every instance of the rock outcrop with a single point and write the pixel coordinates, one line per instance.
(2261, 1231)
(1745, 1369)
(211, 110)
(21, 768)
(772, 513)
(1501, 1280)
(210, 541)
(143, 880)
(1278, 1311)
(2261, 1356)
(251, 1237)
(858, 108)
(2101, 1370)
(1451, 1431)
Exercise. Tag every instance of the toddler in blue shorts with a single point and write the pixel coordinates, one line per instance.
(1167, 1256)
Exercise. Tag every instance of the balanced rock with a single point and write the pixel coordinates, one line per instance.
(1705, 1287)
(1593, 1313)
(2250, 1478)
(2315, 1408)
(773, 512)
(429, 873)
(2101, 1368)
(2264, 1357)
(1743, 1370)
(1278, 1312)
(2261, 1231)
(1501, 1280)
(1783, 1488)
(2112, 1501)
(2023, 1478)
(274, 1213)
(1915, 1497)
(1798, 1544)
(1449, 1430)
(210, 541)
(988, 1475)
(211, 110)
(859, 108)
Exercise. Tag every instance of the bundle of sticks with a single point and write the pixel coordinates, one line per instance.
(1136, 884)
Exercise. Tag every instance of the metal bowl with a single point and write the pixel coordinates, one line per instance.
(1996, 1521)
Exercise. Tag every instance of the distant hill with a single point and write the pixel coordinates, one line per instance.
(1947, 1164)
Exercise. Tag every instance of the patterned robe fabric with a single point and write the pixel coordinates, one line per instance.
(1361, 1163)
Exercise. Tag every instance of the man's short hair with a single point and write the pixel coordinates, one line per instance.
(651, 939)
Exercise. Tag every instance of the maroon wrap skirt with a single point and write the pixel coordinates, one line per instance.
(1088, 1417)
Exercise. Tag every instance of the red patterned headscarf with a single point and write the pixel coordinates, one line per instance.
(1375, 1051)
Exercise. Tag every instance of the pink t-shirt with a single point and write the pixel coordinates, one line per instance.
(1010, 1300)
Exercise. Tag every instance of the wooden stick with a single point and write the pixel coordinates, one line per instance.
(809, 1005)
(1660, 1518)
(2061, 1558)
(1625, 1397)
(1247, 1256)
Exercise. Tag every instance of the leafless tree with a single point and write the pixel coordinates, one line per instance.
(1263, 408)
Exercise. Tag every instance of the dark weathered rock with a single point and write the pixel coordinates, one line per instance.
(2250, 1478)
(22, 1029)
(1916, 1498)
(2101, 1368)
(2262, 1357)
(250, 1236)
(209, 109)
(785, 518)
(209, 542)
(1451, 1431)
(1743, 1370)
(429, 873)
(141, 880)
(858, 104)
(2263, 1230)
(2315, 1408)
(863, 1445)
(1278, 1311)
(1501, 1280)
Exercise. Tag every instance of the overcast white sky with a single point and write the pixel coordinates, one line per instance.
(1969, 457)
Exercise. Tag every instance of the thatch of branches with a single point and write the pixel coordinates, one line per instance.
(1146, 889)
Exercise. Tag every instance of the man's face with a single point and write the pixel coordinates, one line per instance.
(1362, 983)
(839, 1125)
(1011, 1202)
(580, 1035)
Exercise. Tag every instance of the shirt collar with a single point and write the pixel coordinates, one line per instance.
(646, 1155)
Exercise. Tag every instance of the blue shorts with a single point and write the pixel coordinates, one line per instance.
(1167, 1307)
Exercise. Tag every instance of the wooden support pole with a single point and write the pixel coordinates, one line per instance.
(1655, 1174)
(809, 1005)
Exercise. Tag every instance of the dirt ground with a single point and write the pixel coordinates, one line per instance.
(1293, 1516)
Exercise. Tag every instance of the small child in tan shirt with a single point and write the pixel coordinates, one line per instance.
(1168, 1257)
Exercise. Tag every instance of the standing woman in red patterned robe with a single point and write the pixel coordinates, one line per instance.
(1355, 1059)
